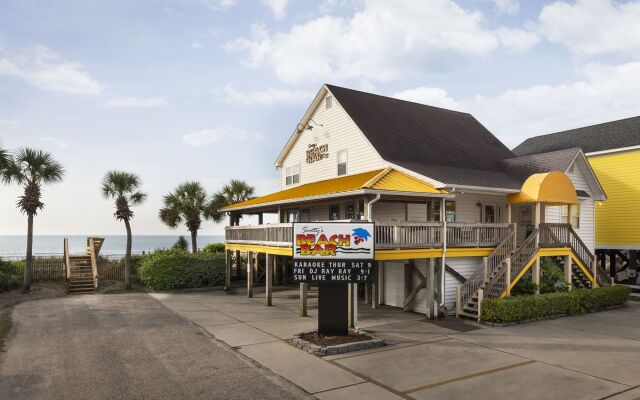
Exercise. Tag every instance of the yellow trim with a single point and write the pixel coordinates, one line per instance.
(469, 251)
(407, 254)
(278, 251)
(585, 270)
(548, 252)
(384, 179)
(551, 188)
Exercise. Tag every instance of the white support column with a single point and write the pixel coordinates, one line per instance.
(227, 270)
(594, 272)
(509, 217)
(480, 298)
(567, 271)
(458, 302)
(430, 289)
(269, 279)
(249, 274)
(508, 276)
(535, 273)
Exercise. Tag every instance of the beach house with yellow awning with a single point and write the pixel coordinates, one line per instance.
(458, 216)
(613, 152)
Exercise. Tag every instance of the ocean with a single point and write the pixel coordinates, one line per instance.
(16, 245)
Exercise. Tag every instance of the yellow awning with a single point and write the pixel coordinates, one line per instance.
(553, 188)
(383, 180)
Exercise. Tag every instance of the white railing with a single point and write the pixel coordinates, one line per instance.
(390, 234)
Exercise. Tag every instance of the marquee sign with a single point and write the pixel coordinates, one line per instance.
(333, 252)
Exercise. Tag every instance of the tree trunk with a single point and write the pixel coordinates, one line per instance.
(127, 257)
(194, 244)
(29, 263)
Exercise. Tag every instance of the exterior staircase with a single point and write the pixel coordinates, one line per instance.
(82, 269)
(508, 263)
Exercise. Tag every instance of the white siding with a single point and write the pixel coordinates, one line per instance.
(340, 133)
(467, 209)
(587, 226)
(389, 210)
(465, 266)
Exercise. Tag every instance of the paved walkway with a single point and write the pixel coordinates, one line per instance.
(593, 356)
(124, 347)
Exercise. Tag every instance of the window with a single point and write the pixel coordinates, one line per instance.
(334, 212)
(342, 162)
(361, 209)
(328, 102)
(349, 211)
(433, 210)
(450, 211)
(293, 215)
(305, 215)
(489, 214)
(292, 175)
(575, 215)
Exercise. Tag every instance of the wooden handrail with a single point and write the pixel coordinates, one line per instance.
(94, 264)
(66, 257)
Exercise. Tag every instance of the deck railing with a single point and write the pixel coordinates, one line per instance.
(389, 234)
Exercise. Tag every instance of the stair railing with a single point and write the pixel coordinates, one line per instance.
(510, 270)
(491, 264)
(94, 264)
(66, 257)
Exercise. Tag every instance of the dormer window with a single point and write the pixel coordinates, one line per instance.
(292, 175)
(342, 162)
(328, 102)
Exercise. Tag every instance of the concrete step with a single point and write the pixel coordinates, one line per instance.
(465, 314)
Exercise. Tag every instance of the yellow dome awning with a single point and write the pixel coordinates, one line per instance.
(552, 188)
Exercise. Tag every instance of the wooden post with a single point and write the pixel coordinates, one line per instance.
(509, 213)
(458, 302)
(430, 289)
(250, 262)
(256, 267)
(304, 287)
(485, 272)
(508, 276)
(367, 293)
(594, 272)
(227, 270)
(567, 271)
(535, 274)
(408, 283)
(269, 279)
(276, 271)
(351, 306)
(238, 263)
(480, 298)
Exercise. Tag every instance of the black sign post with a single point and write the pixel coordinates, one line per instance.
(333, 255)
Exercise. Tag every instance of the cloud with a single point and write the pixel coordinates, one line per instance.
(216, 5)
(516, 40)
(59, 142)
(45, 69)
(382, 41)
(593, 27)
(267, 97)
(507, 6)
(278, 7)
(196, 45)
(604, 93)
(137, 102)
(214, 135)
(8, 126)
(436, 97)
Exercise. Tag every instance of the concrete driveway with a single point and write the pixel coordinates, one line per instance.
(124, 347)
(592, 356)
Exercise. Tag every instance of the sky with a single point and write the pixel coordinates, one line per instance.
(211, 90)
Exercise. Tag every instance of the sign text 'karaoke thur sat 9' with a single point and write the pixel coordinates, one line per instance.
(333, 252)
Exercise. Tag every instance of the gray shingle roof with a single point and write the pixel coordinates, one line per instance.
(449, 146)
(522, 167)
(606, 136)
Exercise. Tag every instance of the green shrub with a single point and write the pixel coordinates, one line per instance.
(8, 282)
(524, 287)
(181, 244)
(552, 278)
(521, 308)
(213, 248)
(165, 269)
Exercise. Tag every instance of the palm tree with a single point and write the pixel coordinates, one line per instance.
(124, 188)
(188, 204)
(235, 191)
(33, 169)
(5, 159)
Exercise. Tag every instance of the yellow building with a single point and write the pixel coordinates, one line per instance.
(613, 151)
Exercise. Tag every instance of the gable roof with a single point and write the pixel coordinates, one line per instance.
(404, 133)
(524, 166)
(606, 136)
